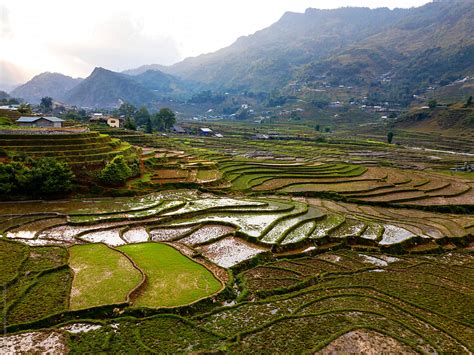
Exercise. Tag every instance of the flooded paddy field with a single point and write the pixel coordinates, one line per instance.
(321, 248)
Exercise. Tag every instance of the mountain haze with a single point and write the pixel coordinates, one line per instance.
(54, 85)
(105, 88)
(383, 54)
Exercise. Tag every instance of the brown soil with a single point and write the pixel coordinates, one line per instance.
(366, 342)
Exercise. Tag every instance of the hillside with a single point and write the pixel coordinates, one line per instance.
(452, 119)
(267, 58)
(387, 53)
(430, 45)
(105, 88)
(164, 85)
(379, 54)
(54, 85)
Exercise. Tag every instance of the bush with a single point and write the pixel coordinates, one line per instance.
(116, 172)
(35, 178)
(50, 176)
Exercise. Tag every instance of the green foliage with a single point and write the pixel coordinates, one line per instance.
(50, 176)
(24, 109)
(46, 104)
(130, 124)
(149, 127)
(77, 115)
(127, 110)
(389, 137)
(142, 116)
(35, 280)
(164, 119)
(116, 172)
(5, 121)
(42, 177)
(432, 104)
(469, 101)
(14, 178)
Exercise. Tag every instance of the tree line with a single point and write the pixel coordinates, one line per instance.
(162, 120)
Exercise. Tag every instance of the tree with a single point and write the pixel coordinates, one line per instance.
(317, 127)
(46, 104)
(35, 178)
(432, 104)
(24, 109)
(149, 127)
(130, 124)
(167, 117)
(327, 129)
(469, 101)
(50, 176)
(389, 137)
(116, 172)
(127, 110)
(142, 116)
(80, 115)
(14, 177)
(157, 122)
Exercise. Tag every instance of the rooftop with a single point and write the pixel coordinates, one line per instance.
(30, 119)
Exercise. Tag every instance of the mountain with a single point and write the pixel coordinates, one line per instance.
(432, 44)
(164, 85)
(371, 55)
(388, 54)
(144, 68)
(268, 58)
(453, 118)
(105, 88)
(54, 85)
(4, 95)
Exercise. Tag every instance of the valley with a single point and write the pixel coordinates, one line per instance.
(308, 188)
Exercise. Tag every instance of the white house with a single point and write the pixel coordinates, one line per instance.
(113, 122)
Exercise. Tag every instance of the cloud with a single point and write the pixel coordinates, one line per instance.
(118, 43)
(10, 75)
(5, 30)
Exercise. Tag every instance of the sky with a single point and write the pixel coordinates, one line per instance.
(74, 36)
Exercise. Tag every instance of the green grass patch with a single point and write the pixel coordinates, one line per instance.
(11, 254)
(101, 276)
(47, 294)
(172, 278)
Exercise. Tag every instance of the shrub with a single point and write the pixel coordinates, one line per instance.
(50, 176)
(116, 172)
(35, 178)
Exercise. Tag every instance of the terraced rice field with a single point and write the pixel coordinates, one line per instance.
(196, 220)
(172, 279)
(101, 276)
(90, 148)
(315, 248)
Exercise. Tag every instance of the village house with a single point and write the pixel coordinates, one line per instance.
(205, 131)
(178, 129)
(114, 122)
(40, 121)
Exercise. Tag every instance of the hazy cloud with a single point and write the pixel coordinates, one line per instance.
(119, 43)
(5, 30)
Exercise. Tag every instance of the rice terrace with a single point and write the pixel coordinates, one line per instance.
(299, 244)
(308, 189)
